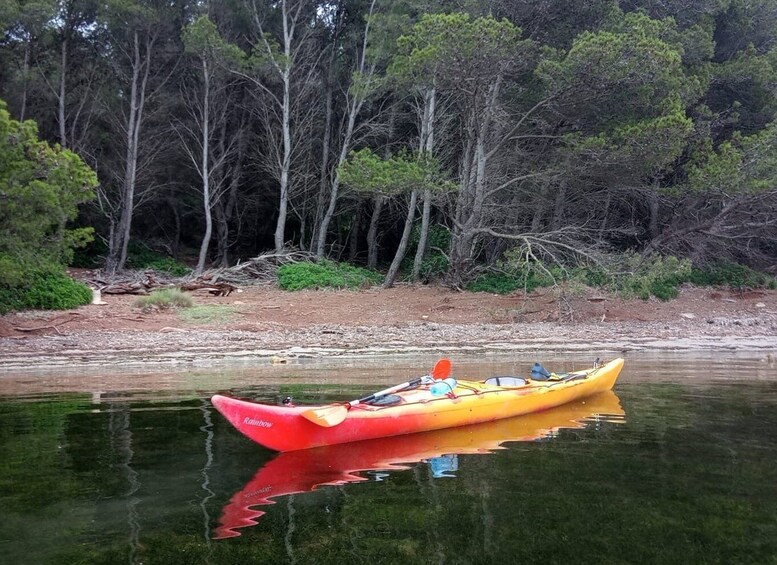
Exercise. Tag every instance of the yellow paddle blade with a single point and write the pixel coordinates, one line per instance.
(327, 416)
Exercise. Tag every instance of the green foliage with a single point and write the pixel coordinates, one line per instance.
(627, 275)
(325, 274)
(140, 256)
(44, 289)
(658, 276)
(435, 262)
(743, 165)
(90, 256)
(445, 50)
(202, 38)
(40, 189)
(165, 298)
(725, 273)
(527, 279)
(367, 173)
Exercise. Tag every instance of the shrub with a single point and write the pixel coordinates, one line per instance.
(659, 277)
(166, 298)
(324, 274)
(435, 262)
(507, 282)
(46, 289)
(725, 273)
(142, 257)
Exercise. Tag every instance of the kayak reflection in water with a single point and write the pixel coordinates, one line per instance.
(305, 470)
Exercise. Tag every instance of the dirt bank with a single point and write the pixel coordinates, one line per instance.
(266, 322)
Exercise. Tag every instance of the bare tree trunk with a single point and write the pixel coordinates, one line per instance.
(472, 197)
(176, 243)
(280, 227)
(379, 200)
(117, 254)
(558, 206)
(205, 170)
(653, 204)
(354, 107)
(61, 105)
(427, 148)
(372, 233)
(423, 236)
(391, 276)
(326, 143)
(353, 243)
(541, 209)
(225, 207)
(25, 75)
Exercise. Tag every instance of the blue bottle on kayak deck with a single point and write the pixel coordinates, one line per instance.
(443, 387)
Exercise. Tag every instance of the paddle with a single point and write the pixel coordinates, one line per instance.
(334, 414)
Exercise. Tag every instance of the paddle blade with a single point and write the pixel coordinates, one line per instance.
(442, 369)
(326, 416)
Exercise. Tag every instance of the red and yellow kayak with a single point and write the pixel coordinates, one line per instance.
(306, 470)
(287, 428)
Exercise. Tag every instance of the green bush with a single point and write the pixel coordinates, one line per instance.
(505, 283)
(44, 290)
(659, 277)
(140, 256)
(90, 256)
(725, 273)
(435, 264)
(325, 274)
(165, 298)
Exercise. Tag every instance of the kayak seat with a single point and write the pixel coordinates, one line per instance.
(505, 381)
(385, 400)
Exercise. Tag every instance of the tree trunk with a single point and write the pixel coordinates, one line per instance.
(205, 170)
(354, 107)
(61, 105)
(325, 150)
(176, 243)
(117, 254)
(653, 204)
(25, 75)
(427, 148)
(226, 210)
(391, 276)
(558, 206)
(353, 243)
(424, 236)
(280, 228)
(372, 233)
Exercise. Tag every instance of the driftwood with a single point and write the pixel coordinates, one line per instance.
(52, 325)
(216, 289)
(219, 282)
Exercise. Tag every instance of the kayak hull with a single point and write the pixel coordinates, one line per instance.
(305, 470)
(283, 428)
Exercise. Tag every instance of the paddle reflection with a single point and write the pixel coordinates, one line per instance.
(305, 470)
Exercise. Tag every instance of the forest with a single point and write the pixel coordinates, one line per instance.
(429, 139)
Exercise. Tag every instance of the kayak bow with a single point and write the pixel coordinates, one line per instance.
(284, 428)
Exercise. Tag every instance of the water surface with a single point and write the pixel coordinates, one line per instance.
(679, 465)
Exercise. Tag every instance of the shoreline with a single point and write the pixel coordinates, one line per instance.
(196, 347)
(267, 325)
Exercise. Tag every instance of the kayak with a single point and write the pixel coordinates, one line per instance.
(306, 470)
(417, 409)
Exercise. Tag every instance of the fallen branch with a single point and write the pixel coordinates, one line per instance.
(48, 326)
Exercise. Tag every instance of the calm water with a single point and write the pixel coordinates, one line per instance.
(678, 466)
